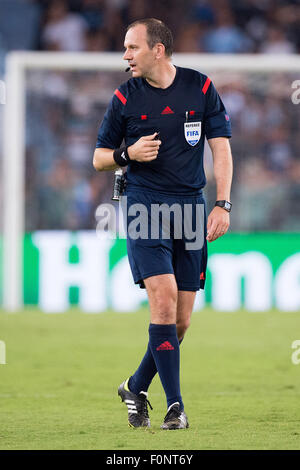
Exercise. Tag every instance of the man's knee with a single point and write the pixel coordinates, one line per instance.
(162, 299)
(165, 305)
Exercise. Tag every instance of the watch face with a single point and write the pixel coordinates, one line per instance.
(227, 206)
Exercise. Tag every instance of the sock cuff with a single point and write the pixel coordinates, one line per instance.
(158, 330)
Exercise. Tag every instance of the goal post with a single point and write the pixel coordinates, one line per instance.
(14, 145)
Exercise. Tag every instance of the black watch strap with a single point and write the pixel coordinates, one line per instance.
(224, 204)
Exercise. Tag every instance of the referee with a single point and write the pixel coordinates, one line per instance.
(164, 113)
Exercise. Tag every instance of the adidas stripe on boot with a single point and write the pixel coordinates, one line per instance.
(137, 406)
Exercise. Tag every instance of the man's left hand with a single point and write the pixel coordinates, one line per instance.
(217, 223)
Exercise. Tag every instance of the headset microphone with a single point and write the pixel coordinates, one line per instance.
(127, 70)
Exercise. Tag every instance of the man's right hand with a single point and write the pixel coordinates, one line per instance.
(145, 149)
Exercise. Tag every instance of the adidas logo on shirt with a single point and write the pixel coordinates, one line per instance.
(167, 110)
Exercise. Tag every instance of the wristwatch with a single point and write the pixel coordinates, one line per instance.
(224, 204)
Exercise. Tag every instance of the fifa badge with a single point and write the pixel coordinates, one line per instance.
(192, 132)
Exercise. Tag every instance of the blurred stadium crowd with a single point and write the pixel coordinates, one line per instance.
(64, 109)
(215, 26)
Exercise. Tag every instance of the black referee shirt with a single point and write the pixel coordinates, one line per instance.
(186, 112)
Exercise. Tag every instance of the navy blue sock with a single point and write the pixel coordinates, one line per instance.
(164, 346)
(143, 376)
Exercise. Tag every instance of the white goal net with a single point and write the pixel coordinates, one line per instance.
(55, 104)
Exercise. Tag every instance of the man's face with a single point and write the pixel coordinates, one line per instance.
(137, 53)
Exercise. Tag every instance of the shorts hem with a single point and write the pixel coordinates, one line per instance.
(180, 285)
(140, 281)
(190, 287)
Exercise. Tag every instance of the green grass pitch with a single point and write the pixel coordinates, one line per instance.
(58, 389)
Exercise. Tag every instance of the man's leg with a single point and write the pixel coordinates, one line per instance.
(176, 417)
(140, 381)
(185, 303)
(163, 341)
(142, 378)
(162, 294)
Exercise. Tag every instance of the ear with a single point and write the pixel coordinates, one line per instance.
(160, 50)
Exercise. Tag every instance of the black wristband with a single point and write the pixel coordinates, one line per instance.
(121, 156)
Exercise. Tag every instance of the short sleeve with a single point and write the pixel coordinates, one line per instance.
(216, 119)
(112, 128)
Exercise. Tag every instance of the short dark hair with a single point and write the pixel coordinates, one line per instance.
(157, 31)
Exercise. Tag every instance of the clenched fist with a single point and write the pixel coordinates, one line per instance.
(145, 149)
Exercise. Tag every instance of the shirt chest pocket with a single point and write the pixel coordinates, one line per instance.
(170, 126)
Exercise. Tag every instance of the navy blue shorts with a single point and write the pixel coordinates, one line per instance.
(162, 247)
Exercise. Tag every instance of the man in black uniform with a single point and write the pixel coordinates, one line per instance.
(164, 113)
